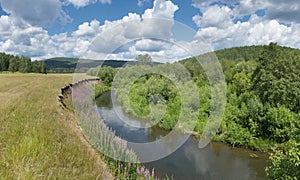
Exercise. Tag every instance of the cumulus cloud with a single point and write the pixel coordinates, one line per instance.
(214, 16)
(246, 7)
(149, 45)
(161, 9)
(82, 3)
(285, 11)
(34, 41)
(156, 22)
(256, 31)
(218, 27)
(87, 29)
(36, 13)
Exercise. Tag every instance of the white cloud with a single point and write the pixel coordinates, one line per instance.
(156, 22)
(214, 16)
(161, 9)
(256, 31)
(149, 45)
(83, 3)
(283, 11)
(105, 1)
(217, 27)
(86, 29)
(34, 41)
(247, 7)
(141, 2)
(37, 13)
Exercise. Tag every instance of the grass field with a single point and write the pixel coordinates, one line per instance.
(38, 140)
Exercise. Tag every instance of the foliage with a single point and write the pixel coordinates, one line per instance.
(276, 79)
(107, 74)
(24, 64)
(263, 92)
(100, 89)
(250, 119)
(285, 161)
(68, 65)
(144, 58)
(93, 71)
(114, 149)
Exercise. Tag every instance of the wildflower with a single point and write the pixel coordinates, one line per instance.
(147, 173)
(138, 171)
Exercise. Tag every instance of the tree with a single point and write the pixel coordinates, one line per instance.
(4, 62)
(144, 58)
(43, 67)
(25, 65)
(107, 74)
(277, 78)
(14, 64)
(280, 124)
(241, 83)
(285, 161)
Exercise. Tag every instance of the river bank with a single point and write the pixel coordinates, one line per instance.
(217, 160)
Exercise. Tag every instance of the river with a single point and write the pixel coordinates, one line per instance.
(215, 161)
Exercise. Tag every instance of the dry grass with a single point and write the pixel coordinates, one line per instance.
(38, 140)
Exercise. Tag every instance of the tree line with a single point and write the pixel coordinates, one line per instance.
(21, 64)
(262, 110)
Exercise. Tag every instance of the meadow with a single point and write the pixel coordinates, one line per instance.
(38, 139)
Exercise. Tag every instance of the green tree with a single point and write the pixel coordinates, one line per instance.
(43, 68)
(4, 62)
(25, 65)
(241, 83)
(285, 161)
(280, 124)
(144, 58)
(107, 74)
(14, 64)
(277, 77)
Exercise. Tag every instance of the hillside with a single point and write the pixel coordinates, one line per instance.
(68, 65)
(244, 53)
(262, 100)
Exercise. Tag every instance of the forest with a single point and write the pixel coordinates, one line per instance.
(69, 65)
(20, 64)
(262, 107)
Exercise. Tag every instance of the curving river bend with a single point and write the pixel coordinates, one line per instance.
(215, 161)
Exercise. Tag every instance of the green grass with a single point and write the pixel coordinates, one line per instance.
(38, 140)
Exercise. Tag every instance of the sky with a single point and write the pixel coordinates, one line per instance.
(123, 29)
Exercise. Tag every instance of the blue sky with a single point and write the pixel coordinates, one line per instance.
(167, 30)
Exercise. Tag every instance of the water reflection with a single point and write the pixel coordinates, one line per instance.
(215, 161)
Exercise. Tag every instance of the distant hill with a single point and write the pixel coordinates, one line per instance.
(235, 54)
(68, 65)
(244, 53)
(247, 57)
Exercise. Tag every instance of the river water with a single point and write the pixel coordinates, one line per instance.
(215, 161)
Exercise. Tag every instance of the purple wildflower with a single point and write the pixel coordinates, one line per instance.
(152, 174)
(147, 173)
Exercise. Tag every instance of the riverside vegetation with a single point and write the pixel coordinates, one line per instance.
(40, 141)
(263, 107)
(122, 161)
